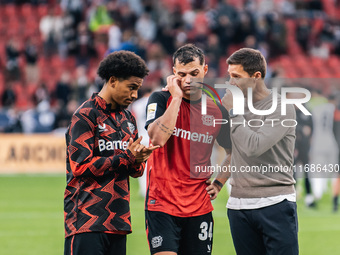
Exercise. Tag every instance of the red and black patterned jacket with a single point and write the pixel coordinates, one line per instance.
(98, 168)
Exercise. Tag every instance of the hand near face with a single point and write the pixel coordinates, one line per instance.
(139, 150)
(227, 100)
(173, 86)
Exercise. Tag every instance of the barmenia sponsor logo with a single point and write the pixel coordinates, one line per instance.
(112, 145)
(193, 136)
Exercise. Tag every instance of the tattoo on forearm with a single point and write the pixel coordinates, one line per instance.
(164, 128)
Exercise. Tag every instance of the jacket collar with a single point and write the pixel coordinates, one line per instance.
(103, 105)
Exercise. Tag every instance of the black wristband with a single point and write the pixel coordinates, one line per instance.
(218, 183)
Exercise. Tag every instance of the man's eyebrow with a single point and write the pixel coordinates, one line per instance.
(134, 84)
(190, 71)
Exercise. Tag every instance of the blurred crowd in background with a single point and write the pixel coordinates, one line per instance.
(50, 49)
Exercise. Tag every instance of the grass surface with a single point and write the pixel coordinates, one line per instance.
(31, 220)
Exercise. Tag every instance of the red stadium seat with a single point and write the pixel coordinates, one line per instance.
(10, 10)
(42, 10)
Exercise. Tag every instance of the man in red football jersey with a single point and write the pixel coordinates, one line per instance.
(178, 206)
(103, 150)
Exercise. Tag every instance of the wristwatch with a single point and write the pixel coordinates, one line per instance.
(231, 113)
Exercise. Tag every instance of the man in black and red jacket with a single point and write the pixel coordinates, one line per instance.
(103, 150)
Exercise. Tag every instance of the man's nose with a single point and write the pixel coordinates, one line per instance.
(188, 79)
(134, 94)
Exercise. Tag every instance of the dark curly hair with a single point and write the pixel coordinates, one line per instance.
(122, 65)
(187, 53)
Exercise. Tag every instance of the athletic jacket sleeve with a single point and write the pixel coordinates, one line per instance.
(80, 151)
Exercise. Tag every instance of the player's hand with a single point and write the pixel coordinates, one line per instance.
(227, 100)
(212, 189)
(140, 152)
(135, 146)
(145, 153)
(173, 86)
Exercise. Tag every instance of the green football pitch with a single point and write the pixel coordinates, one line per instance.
(31, 220)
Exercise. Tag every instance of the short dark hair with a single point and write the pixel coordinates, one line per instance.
(122, 65)
(251, 60)
(187, 53)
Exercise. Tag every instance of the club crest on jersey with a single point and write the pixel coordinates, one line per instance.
(102, 128)
(156, 241)
(131, 127)
(208, 120)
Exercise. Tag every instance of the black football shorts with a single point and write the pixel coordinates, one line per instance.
(183, 235)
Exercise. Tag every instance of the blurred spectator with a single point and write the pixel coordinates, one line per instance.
(226, 31)
(244, 28)
(64, 89)
(213, 53)
(38, 120)
(225, 9)
(41, 94)
(115, 37)
(128, 18)
(336, 130)
(303, 33)
(323, 118)
(75, 8)
(201, 39)
(8, 98)
(99, 17)
(319, 49)
(51, 27)
(146, 28)
(327, 32)
(287, 8)
(337, 39)
(13, 124)
(137, 7)
(68, 41)
(157, 63)
(13, 72)
(85, 45)
(81, 85)
(250, 42)
(315, 5)
(265, 7)
(113, 9)
(277, 36)
(63, 116)
(31, 55)
(129, 41)
(304, 131)
(262, 29)
(176, 18)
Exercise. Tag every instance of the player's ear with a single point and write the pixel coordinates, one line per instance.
(257, 75)
(174, 70)
(113, 81)
(205, 69)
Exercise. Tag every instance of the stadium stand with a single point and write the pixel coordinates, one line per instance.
(65, 40)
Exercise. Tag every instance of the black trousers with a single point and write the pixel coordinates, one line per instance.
(272, 230)
(95, 243)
